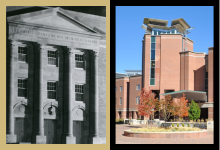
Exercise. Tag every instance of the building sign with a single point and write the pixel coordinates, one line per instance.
(44, 34)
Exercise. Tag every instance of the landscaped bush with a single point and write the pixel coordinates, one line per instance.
(188, 124)
(198, 120)
(138, 118)
(190, 120)
(202, 120)
(116, 120)
(206, 120)
(177, 124)
(182, 124)
(121, 120)
(172, 124)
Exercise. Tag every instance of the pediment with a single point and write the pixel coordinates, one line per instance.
(53, 18)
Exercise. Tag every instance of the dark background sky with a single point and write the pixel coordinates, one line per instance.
(95, 10)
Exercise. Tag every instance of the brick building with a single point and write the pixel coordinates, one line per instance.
(170, 66)
(55, 77)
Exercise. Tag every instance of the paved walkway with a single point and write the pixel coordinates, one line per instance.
(121, 139)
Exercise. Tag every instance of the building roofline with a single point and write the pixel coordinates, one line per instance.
(192, 52)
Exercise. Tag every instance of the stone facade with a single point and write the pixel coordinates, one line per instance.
(36, 117)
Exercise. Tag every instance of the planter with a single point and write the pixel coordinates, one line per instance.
(166, 135)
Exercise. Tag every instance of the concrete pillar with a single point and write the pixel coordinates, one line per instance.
(134, 115)
(10, 137)
(116, 114)
(96, 139)
(69, 66)
(39, 120)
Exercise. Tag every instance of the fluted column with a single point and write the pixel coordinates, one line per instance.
(68, 91)
(39, 118)
(95, 111)
(10, 137)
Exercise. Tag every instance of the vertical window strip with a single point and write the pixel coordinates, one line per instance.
(51, 90)
(152, 61)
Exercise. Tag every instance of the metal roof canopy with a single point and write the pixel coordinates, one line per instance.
(197, 96)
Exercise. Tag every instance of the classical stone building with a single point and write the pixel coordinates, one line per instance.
(56, 81)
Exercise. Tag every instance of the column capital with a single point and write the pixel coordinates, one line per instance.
(96, 54)
(41, 47)
(69, 51)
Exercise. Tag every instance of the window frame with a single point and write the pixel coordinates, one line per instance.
(83, 90)
(26, 49)
(120, 88)
(137, 87)
(120, 102)
(56, 85)
(152, 79)
(56, 57)
(25, 97)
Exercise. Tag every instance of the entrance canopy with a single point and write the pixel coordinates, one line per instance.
(197, 96)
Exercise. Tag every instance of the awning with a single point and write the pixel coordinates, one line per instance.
(197, 96)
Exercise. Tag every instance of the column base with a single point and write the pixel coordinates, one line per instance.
(69, 140)
(40, 139)
(95, 140)
(11, 138)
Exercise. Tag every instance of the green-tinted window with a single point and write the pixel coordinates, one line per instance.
(153, 38)
(152, 81)
(152, 45)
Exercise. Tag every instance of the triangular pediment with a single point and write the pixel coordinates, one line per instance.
(55, 18)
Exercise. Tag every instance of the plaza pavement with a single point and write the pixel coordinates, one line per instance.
(121, 139)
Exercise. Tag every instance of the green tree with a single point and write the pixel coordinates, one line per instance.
(194, 111)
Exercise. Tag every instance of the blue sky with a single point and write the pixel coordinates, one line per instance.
(129, 33)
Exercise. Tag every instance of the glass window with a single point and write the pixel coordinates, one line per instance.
(152, 45)
(137, 100)
(120, 101)
(115, 89)
(51, 57)
(138, 87)
(152, 82)
(152, 54)
(152, 73)
(22, 87)
(79, 92)
(152, 63)
(22, 54)
(79, 61)
(153, 39)
(120, 88)
(51, 90)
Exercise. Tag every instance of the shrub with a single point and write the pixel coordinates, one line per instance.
(206, 120)
(116, 120)
(188, 124)
(191, 120)
(182, 124)
(121, 120)
(194, 120)
(138, 118)
(194, 110)
(172, 124)
(177, 124)
(198, 120)
(202, 120)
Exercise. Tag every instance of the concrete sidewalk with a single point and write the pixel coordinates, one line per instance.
(121, 139)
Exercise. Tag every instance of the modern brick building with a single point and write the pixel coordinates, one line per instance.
(170, 66)
(56, 64)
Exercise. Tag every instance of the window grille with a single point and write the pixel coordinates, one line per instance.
(22, 54)
(79, 61)
(22, 87)
(51, 90)
(52, 59)
(79, 92)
